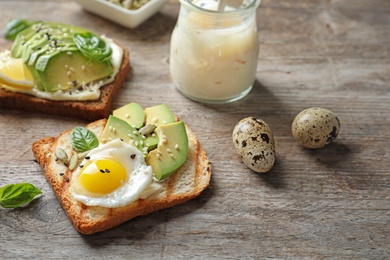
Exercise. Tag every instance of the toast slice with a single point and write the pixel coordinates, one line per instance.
(187, 183)
(89, 110)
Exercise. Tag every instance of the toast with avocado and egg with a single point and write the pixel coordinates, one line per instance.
(62, 70)
(134, 163)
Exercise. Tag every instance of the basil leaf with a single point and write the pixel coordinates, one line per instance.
(15, 26)
(82, 139)
(16, 195)
(92, 46)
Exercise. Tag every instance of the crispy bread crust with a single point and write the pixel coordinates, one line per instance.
(89, 110)
(189, 181)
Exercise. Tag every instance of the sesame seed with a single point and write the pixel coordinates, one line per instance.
(159, 152)
(135, 132)
(169, 150)
(177, 146)
(155, 120)
(173, 157)
(107, 170)
(83, 67)
(127, 116)
(164, 141)
(68, 73)
(69, 52)
(158, 156)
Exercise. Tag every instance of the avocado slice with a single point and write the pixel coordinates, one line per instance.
(171, 152)
(118, 128)
(62, 70)
(54, 59)
(151, 141)
(132, 113)
(159, 115)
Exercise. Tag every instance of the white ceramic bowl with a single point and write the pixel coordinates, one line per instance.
(121, 15)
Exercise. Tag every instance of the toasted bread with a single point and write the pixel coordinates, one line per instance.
(187, 183)
(89, 110)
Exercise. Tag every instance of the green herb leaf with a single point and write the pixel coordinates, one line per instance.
(82, 139)
(16, 195)
(15, 26)
(92, 46)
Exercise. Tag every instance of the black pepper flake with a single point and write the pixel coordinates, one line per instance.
(81, 166)
(102, 171)
(107, 170)
(62, 174)
(67, 179)
(87, 157)
(132, 156)
(56, 159)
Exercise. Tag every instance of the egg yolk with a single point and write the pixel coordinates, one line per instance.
(102, 176)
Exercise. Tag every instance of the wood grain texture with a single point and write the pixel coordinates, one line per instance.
(314, 204)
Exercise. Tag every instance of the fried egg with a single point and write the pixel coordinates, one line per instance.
(112, 175)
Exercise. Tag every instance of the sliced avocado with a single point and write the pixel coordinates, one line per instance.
(54, 59)
(132, 113)
(159, 115)
(171, 152)
(60, 70)
(151, 141)
(35, 43)
(21, 39)
(118, 128)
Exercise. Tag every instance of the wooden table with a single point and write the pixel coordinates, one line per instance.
(327, 203)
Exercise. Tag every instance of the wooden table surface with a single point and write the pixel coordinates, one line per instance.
(314, 204)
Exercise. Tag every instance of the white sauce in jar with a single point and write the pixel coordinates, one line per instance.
(214, 60)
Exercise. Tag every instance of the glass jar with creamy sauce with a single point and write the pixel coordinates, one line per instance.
(214, 49)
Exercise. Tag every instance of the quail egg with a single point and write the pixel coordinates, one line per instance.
(254, 142)
(315, 127)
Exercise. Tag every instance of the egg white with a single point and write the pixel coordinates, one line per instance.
(139, 175)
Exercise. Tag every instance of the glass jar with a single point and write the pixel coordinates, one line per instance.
(214, 51)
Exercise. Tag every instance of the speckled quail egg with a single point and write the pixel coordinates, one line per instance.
(254, 142)
(315, 127)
